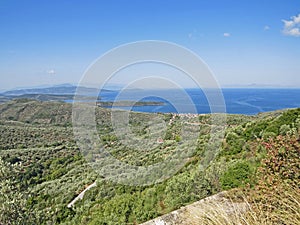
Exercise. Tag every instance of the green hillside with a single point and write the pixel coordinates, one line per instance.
(42, 169)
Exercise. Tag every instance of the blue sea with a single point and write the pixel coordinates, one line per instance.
(237, 101)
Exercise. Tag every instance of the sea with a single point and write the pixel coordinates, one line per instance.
(248, 101)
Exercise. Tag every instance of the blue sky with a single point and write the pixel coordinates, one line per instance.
(243, 42)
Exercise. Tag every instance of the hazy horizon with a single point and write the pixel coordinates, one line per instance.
(118, 87)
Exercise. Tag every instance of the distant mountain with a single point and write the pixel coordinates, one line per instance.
(62, 92)
(255, 85)
(63, 89)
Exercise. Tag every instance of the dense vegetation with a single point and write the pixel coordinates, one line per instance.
(42, 169)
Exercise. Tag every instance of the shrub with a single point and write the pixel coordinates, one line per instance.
(237, 175)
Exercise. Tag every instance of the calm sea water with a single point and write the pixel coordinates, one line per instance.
(237, 101)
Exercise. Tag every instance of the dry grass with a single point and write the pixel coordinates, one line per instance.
(280, 209)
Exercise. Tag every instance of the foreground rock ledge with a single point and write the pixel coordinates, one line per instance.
(191, 214)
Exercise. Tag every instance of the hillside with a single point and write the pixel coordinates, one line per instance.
(43, 170)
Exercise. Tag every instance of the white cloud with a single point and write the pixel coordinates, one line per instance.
(51, 72)
(294, 32)
(226, 35)
(297, 18)
(267, 28)
(292, 27)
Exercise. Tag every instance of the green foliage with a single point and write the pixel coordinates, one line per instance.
(284, 129)
(186, 188)
(37, 141)
(237, 175)
(268, 135)
(12, 196)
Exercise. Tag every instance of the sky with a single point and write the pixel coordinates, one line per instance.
(243, 42)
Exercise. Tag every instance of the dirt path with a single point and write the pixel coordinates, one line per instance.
(80, 196)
